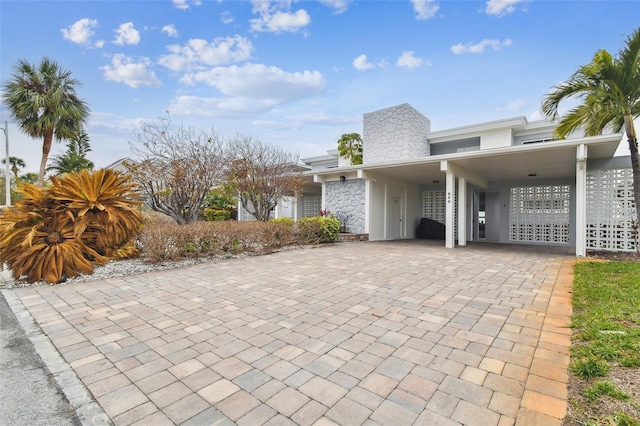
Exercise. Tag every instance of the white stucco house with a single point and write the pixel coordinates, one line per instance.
(504, 181)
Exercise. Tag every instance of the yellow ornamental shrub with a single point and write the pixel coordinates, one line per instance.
(83, 219)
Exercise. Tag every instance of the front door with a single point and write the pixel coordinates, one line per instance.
(396, 218)
(487, 215)
(395, 213)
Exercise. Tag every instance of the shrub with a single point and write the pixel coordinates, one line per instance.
(286, 220)
(161, 241)
(57, 232)
(318, 229)
(278, 233)
(212, 215)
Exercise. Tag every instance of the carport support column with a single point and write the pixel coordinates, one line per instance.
(449, 237)
(323, 193)
(462, 211)
(581, 201)
(452, 171)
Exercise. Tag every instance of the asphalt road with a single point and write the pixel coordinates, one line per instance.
(29, 395)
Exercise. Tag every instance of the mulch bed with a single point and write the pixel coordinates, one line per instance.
(621, 256)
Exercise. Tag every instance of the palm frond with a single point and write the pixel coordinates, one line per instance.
(62, 231)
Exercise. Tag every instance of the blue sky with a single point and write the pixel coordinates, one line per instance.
(301, 73)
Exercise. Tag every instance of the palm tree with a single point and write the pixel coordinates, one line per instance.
(74, 159)
(16, 165)
(43, 101)
(609, 88)
(30, 177)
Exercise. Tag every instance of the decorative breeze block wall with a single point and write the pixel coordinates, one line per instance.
(346, 200)
(611, 210)
(396, 133)
(434, 208)
(540, 214)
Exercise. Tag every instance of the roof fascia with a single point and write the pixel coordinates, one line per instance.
(318, 159)
(517, 123)
(590, 140)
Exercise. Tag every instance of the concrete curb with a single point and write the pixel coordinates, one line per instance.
(87, 409)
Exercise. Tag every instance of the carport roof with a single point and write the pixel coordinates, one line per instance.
(547, 160)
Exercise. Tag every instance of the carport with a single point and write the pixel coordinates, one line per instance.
(560, 167)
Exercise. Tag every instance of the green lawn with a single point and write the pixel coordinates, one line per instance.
(605, 353)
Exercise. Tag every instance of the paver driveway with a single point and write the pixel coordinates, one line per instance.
(391, 333)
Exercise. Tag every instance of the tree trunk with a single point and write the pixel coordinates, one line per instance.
(635, 166)
(46, 148)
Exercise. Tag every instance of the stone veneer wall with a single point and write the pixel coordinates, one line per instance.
(347, 198)
(396, 133)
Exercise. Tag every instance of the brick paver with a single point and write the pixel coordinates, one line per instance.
(403, 332)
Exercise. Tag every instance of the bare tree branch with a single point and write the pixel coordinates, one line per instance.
(261, 174)
(176, 167)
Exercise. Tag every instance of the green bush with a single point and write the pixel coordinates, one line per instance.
(318, 229)
(216, 215)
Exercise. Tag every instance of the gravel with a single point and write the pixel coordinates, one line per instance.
(124, 268)
(112, 269)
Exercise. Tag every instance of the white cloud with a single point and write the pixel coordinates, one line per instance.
(281, 21)
(360, 63)
(198, 52)
(99, 43)
(127, 34)
(219, 107)
(270, 85)
(408, 60)
(108, 121)
(81, 31)
(322, 119)
(227, 17)
(425, 9)
(181, 4)
(502, 7)
(184, 4)
(338, 6)
(299, 121)
(170, 30)
(460, 48)
(275, 17)
(134, 74)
